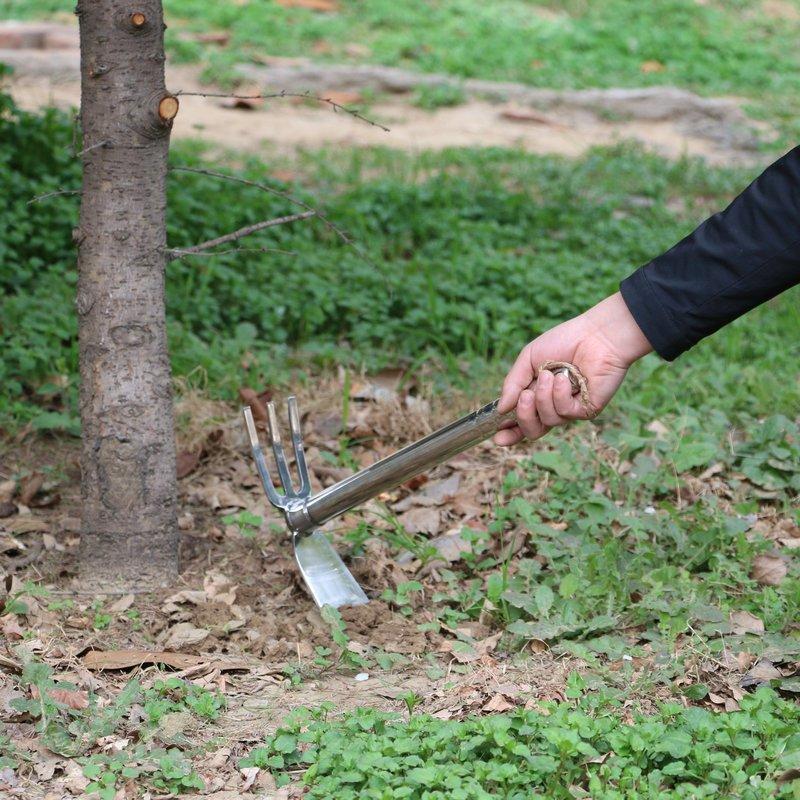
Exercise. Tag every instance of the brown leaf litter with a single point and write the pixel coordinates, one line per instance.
(239, 617)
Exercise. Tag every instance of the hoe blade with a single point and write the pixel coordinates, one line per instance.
(325, 574)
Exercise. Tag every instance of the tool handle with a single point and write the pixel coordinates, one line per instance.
(397, 468)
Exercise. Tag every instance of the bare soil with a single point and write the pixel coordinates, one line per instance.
(239, 620)
(670, 121)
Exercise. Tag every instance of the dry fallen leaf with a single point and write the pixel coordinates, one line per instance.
(70, 698)
(451, 545)
(194, 596)
(216, 495)
(528, 115)
(26, 524)
(744, 622)
(123, 604)
(10, 627)
(30, 487)
(762, 672)
(343, 98)
(658, 428)
(219, 587)
(7, 509)
(126, 659)
(421, 520)
(498, 705)
(652, 66)
(213, 37)
(251, 398)
(187, 462)
(7, 489)
(769, 570)
(184, 634)
(714, 469)
(249, 774)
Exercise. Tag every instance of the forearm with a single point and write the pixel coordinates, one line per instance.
(734, 261)
(612, 320)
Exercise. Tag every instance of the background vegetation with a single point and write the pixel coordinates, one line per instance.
(460, 257)
(738, 47)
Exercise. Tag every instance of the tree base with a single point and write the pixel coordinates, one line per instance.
(113, 562)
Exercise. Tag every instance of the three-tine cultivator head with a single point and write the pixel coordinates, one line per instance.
(323, 571)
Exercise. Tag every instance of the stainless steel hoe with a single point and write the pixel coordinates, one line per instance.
(324, 572)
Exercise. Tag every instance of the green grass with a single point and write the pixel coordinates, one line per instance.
(462, 259)
(715, 48)
(562, 752)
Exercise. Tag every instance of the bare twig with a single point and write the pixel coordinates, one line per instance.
(241, 233)
(278, 193)
(176, 254)
(283, 94)
(93, 147)
(52, 194)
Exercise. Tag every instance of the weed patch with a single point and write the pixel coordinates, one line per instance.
(557, 751)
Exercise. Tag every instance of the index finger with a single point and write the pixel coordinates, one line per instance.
(519, 377)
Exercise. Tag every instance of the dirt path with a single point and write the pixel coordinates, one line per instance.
(670, 121)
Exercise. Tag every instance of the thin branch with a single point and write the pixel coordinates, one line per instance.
(286, 196)
(52, 194)
(176, 254)
(241, 233)
(282, 94)
(93, 147)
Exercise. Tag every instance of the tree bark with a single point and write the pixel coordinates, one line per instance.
(129, 526)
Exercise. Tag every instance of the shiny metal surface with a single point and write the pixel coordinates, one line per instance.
(328, 579)
(325, 574)
(395, 469)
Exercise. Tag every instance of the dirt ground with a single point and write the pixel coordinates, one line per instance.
(238, 619)
(670, 121)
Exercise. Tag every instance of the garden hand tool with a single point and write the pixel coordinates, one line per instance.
(327, 578)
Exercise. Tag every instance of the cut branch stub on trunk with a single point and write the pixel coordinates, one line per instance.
(129, 530)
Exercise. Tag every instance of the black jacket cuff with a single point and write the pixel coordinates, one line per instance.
(655, 321)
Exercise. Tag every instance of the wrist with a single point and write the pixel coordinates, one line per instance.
(611, 318)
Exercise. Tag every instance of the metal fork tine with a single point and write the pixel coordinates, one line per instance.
(258, 455)
(277, 449)
(297, 444)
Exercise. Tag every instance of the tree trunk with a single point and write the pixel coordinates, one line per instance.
(129, 527)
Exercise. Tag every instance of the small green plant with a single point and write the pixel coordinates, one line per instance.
(68, 722)
(9, 757)
(163, 770)
(174, 694)
(101, 619)
(15, 602)
(247, 523)
(402, 596)
(348, 657)
(411, 700)
(134, 616)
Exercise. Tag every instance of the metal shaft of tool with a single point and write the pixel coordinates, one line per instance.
(397, 468)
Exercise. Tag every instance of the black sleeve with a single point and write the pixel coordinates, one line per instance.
(733, 262)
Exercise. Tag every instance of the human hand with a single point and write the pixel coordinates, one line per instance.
(602, 343)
